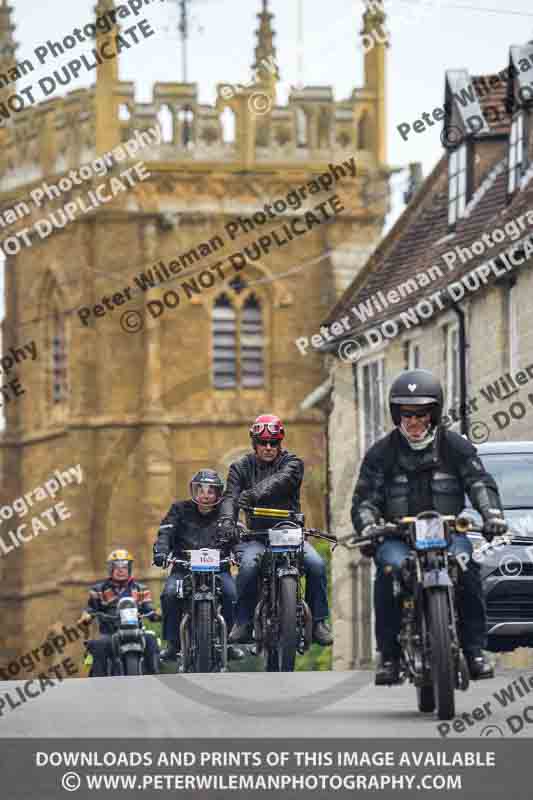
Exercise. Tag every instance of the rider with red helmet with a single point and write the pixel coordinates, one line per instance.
(270, 477)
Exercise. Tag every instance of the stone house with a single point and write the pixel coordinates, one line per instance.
(456, 263)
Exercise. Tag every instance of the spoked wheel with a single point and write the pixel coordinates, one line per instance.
(288, 633)
(426, 698)
(203, 635)
(133, 664)
(442, 662)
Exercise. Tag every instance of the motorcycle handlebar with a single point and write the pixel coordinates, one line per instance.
(391, 529)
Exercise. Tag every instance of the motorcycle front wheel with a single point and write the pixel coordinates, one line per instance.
(442, 666)
(133, 664)
(288, 634)
(204, 638)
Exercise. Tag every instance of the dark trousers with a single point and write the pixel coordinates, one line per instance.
(470, 603)
(102, 650)
(316, 591)
(171, 604)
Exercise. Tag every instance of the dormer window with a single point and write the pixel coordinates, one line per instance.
(457, 183)
(517, 151)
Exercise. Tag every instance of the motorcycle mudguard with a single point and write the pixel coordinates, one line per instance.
(437, 577)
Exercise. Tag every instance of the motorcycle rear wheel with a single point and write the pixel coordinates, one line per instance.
(442, 664)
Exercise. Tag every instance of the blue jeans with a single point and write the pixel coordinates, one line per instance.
(316, 591)
(171, 605)
(470, 604)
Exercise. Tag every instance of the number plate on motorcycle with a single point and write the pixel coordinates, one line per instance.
(285, 538)
(205, 560)
(430, 533)
(129, 616)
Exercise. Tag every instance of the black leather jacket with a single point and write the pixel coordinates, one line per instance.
(184, 528)
(397, 481)
(275, 485)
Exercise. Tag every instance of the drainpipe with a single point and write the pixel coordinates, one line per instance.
(462, 367)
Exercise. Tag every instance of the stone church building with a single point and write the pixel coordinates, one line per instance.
(143, 396)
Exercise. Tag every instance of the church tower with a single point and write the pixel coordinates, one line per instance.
(165, 319)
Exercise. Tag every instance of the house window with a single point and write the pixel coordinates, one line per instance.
(238, 340)
(371, 411)
(411, 355)
(517, 151)
(59, 360)
(512, 327)
(457, 184)
(451, 360)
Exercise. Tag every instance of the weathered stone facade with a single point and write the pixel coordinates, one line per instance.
(141, 414)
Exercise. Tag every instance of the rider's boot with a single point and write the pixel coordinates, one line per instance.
(170, 653)
(479, 666)
(241, 633)
(322, 634)
(387, 670)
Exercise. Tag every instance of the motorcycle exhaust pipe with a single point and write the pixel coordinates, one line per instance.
(183, 635)
(308, 626)
(258, 632)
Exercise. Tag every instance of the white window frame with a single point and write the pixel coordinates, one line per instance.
(413, 345)
(451, 330)
(457, 183)
(380, 361)
(517, 151)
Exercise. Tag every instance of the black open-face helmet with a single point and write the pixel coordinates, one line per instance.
(416, 387)
(207, 477)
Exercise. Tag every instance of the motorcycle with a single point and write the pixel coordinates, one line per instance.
(203, 632)
(283, 621)
(128, 640)
(431, 656)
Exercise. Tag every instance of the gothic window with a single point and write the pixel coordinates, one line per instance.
(59, 360)
(301, 128)
(185, 119)
(238, 339)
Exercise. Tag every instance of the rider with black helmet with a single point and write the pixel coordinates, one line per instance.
(191, 525)
(422, 466)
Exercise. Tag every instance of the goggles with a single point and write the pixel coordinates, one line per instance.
(421, 412)
(273, 428)
(119, 564)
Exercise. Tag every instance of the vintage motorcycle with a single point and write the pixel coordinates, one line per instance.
(431, 656)
(282, 620)
(202, 629)
(128, 640)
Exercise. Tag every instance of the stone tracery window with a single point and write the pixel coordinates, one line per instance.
(237, 338)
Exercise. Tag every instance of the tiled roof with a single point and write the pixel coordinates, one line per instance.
(421, 235)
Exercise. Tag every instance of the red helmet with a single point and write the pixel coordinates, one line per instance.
(267, 426)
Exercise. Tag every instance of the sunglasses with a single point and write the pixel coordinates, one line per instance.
(271, 442)
(416, 414)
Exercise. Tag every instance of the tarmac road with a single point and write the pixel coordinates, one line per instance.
(303, 704)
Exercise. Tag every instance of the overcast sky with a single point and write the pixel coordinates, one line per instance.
(474, 34)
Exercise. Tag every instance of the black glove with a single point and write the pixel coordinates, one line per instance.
(494, 525)
(247, 498)
(160, 556)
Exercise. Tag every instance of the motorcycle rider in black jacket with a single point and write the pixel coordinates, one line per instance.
(270, 478)
(422, 466)
(192, 525)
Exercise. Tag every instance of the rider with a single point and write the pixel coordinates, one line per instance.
(270, 477)
(191, 525)
(422, 466)
(104, 597)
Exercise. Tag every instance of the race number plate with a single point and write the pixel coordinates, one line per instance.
(129, 616)
(205, 560)
(285, 538)
(430, 533)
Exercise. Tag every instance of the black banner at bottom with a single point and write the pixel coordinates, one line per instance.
(253, 768)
